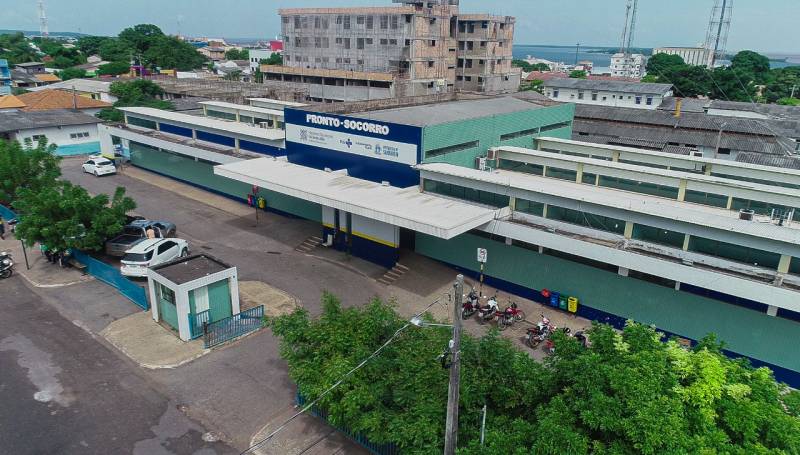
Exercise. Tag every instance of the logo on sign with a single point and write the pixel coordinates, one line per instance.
(377, 149)
(348, 142)
(357, 125)
(482, 255)
(304, 135)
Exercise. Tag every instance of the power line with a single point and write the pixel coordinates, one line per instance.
(336, 384)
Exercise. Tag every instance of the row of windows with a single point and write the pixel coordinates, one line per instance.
(468, 194)
(581, 95)
(385, 22)
(451, 149)
(79, 135)
(220, 114)
(144, 123)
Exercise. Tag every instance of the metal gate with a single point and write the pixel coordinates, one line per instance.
(196, 323)
(232, 327)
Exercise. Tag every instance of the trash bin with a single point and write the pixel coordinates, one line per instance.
(562, 303)
(262, 203)
(251, 200)
(572, 305)
(554, 298)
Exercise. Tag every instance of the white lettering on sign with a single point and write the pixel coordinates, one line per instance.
(482, 255)
(342, 141)
(357, 125)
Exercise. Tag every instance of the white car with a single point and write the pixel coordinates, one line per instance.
(152, 252)
(99, 166)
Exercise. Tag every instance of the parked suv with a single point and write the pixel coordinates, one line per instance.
(99, 166)
(135, 232)
(152, 252)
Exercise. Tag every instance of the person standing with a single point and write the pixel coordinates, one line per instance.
(2, 228)
(150, 232)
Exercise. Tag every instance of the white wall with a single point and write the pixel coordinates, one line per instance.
(255, 57)
(61, 135)
(611, 98)
(365, 227)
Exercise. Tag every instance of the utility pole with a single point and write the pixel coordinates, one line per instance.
(577, 48)
(451, 426)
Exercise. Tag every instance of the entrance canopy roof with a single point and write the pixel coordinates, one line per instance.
(404, 207)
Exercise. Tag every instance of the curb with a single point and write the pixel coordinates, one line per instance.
(51, 286)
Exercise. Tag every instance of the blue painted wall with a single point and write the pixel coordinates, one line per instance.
(261, 148)
(174, 129)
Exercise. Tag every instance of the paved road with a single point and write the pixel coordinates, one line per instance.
(236, 389)
(63, 391)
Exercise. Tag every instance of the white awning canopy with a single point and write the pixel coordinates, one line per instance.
(404, 207)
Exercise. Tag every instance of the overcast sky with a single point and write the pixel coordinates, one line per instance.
(762, 25)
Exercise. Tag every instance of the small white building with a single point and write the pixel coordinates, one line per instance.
(631, 66)
(92, 88)
(74, 133)
(698, 56)
(256, 55)
(639, 95)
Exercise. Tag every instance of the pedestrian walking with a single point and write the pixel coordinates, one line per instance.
(2, 228)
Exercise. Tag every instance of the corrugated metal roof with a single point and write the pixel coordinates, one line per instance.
(18, 120)
(790, 162)
(773, 110)
(609, 86)
(687, 104)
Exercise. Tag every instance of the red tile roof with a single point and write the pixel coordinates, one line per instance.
(45, 100)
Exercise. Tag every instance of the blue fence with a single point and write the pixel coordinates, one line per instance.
(376, 449)
(196, 323)
(111, 276)
(232, 327)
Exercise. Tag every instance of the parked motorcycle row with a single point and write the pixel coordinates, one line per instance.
(540, 332)
(6, 264)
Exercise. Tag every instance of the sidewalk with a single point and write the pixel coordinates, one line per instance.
(42, 274)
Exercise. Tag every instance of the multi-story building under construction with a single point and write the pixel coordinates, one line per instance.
(415, 48)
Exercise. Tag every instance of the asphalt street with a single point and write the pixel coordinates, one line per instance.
(64, 392)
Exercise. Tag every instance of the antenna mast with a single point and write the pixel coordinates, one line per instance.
(43, 20)
(718, 27)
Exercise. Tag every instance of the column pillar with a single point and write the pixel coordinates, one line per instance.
(784, 263)
(544, 210)
(236, 143)
(158, 126)
(579, 173)
(512, 203)
(686, 239)
(772, 310)
(237, 116)
(623, 271)
(194, 134)
(597, 180)
(707, 168)
(544, 171)
(682, 190)
(628, 229)
(615, 156)
(730, 203)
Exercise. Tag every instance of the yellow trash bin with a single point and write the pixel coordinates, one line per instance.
(262, 202)
(572, 304)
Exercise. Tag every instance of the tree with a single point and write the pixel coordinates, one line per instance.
(30, 167)
(134, 93)
(663, 63)
(578, 74)
(535, 85)
(114, 68)
(170, 52)
(115, 50)
(752, 63)
(628, 392)
(789, 101)
(64, 216)
(90, 45)
(16, 49)
(71, 73)
(140, 37)
(527, 67)
(274, 59)
(237, 54)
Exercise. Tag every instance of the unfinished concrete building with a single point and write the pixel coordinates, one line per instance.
(413, 49)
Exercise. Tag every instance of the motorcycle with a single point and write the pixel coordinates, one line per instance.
(471, 305)
(6, 265)
(487, 313)
(538, 333)
(509, 316)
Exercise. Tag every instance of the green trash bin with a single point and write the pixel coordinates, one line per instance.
(562, 302)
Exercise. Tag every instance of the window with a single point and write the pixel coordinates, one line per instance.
(395, 22)
(516, 134)
(554, 126)
(317, 21)
(384, 21)
(469, 194)
(736, 253)
(346, 42)
(638, 99)
(369, 22)
(430, 63)
(530, 207)
(141, 122)
(658, 235)
(393, 42)
(451, 149)
(360, 20)
(649, 101)
(297, 22)
(165, 246)
(368, 41)
(594, 96)
(339, 20)
(384, 41)
(167, 294)
(580, 95)
(346, 23)
(555, 93)
(590, 220)
(317, 41)
(359, 43)
(432, 42)
(484, 24)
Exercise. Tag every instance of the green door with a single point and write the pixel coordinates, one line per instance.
(166, 306)
(219, 300)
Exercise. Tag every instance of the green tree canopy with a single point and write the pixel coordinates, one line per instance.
(64, 216)
(16, 49)
(90, 45)
(140, 37)
(527, 67)
(749, 62)
(170, 52)
(71, 73)
(274, 59)
(663, 64)
(629, 392)
(578, 74)
(114, 68)
(32, 166)
(115, 50)
(237, 54)
(138, 92)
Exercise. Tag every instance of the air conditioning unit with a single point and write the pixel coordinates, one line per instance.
(492, 154)
(264, 125)
(696, 153)
(480, 163)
